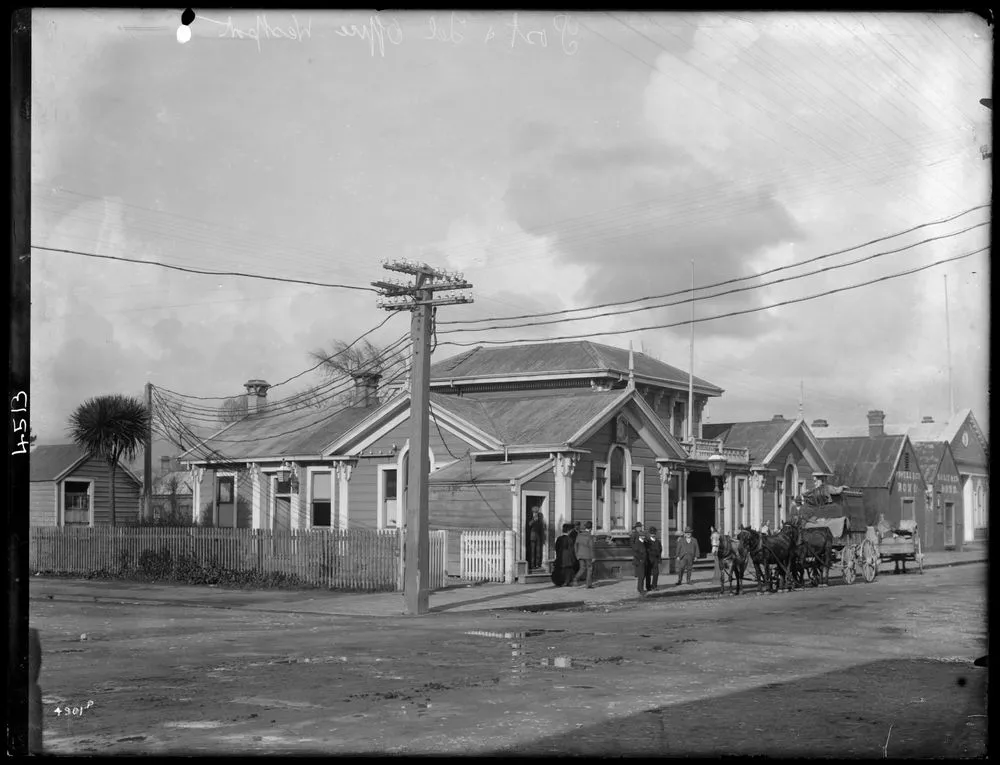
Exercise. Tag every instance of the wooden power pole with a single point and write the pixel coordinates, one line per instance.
(420, 299)
(147, 460)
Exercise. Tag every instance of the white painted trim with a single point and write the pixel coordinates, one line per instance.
(312, 470)
(382, 430)
(272, 503)
(383, 411)
(627, 520)
(658, 427)
(782, 442)
(533, 472)
(599, 419)
(471, 435)
(660, 382)
(61, 499)
(642, 495)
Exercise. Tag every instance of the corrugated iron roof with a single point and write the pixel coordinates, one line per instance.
(530, 417)
(46, 463)
(929, 455)
(541, 359)
(469, 470)
(759, 437)
(863, 462)
(918, 432)
(300, 432)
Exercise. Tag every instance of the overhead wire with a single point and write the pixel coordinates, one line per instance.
(724, 282)
(724, 315)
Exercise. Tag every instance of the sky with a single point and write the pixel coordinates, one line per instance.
(558, 161)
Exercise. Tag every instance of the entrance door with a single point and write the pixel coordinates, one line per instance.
(949, 524)
(531, 503)
(702, 520)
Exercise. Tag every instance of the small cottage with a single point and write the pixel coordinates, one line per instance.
(944, 496)
(70, 488)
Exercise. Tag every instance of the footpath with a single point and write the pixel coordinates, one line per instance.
(456, 598)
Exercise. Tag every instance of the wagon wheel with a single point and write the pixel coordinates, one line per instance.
(847, 564)
(869, 561)
(919, 555)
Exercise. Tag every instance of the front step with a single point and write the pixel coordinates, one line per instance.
(537, 577)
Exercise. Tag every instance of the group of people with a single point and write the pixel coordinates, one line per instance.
(647, 550)
(574, 564)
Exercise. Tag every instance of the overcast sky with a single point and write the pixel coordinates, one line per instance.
(558, 161)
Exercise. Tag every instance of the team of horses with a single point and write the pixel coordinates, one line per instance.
(781, 561)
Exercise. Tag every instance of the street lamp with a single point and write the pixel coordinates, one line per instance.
(717, 467)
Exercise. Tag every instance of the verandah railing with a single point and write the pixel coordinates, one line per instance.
(353, 559)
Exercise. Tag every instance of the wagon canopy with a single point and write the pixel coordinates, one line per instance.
(836, 502)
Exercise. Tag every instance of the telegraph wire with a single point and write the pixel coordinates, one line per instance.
(202, 271)
(687, 322)
(724, 292)
(723, 283)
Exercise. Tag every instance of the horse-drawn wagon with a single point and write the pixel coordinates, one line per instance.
(855, 542)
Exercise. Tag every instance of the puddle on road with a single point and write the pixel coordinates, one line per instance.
(514, 635)
(195, 724)
(261, 702)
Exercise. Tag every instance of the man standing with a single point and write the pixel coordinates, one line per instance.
(585, 554)
(687, 551)
(654, 551)
(536, 538)
(639, 555)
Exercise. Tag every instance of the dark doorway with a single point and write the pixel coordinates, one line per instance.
(702, 520)
(532, 503)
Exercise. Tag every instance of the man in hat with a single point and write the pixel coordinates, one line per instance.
(654, 551)
(639, 555)
(687, 551)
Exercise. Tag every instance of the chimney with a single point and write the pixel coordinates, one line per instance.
(927, 420)
(256, 395)
(366, 388)
(820, 423)
(876, 423)
(778, 418)
(165, 465)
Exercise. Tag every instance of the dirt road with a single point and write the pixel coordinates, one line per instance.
(846, 671)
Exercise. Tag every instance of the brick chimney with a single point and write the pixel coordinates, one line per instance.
(778, 418)
(927, 420)
(820, 424)
(256, 395)
(165, 465)
(366, 388)
(876, 423)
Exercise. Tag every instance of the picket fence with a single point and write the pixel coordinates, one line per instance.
(488, 556)
(353, 559)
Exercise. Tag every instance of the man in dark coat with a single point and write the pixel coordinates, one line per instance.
(565, 557)
(654, 551)
(536, 538)
(687, 551)
(639, 556)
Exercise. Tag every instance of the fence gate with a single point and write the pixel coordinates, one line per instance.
(487, 556)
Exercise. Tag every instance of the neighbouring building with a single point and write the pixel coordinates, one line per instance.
(885, 468)
(172, 492)
(70, 488)
(581, 431)
(970, 451)
(784, 458)
(944, 496)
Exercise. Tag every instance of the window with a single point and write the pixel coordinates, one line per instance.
(938, 510)
(637, 495)
(907, 513)
(225, 490)
(741, 501)
(600, 500)
(76, 503)
(616, 471)
(906, 461)
(779, 497)
(321, 499)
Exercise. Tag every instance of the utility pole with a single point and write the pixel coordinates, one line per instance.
(690, 407)
(420, 299)
(147, 461)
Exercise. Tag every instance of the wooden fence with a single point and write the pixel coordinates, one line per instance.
(488, 555)
(354, 559)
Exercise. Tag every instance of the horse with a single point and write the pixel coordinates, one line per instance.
(732, 555)
(750, 540)
(780, 549)
(815, 543)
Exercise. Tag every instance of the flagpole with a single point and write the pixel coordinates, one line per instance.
(947, 331)
(690, 417)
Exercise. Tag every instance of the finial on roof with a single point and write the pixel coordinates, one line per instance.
(631, 365)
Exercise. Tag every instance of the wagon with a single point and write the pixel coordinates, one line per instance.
(902, 544)
(856, 544)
